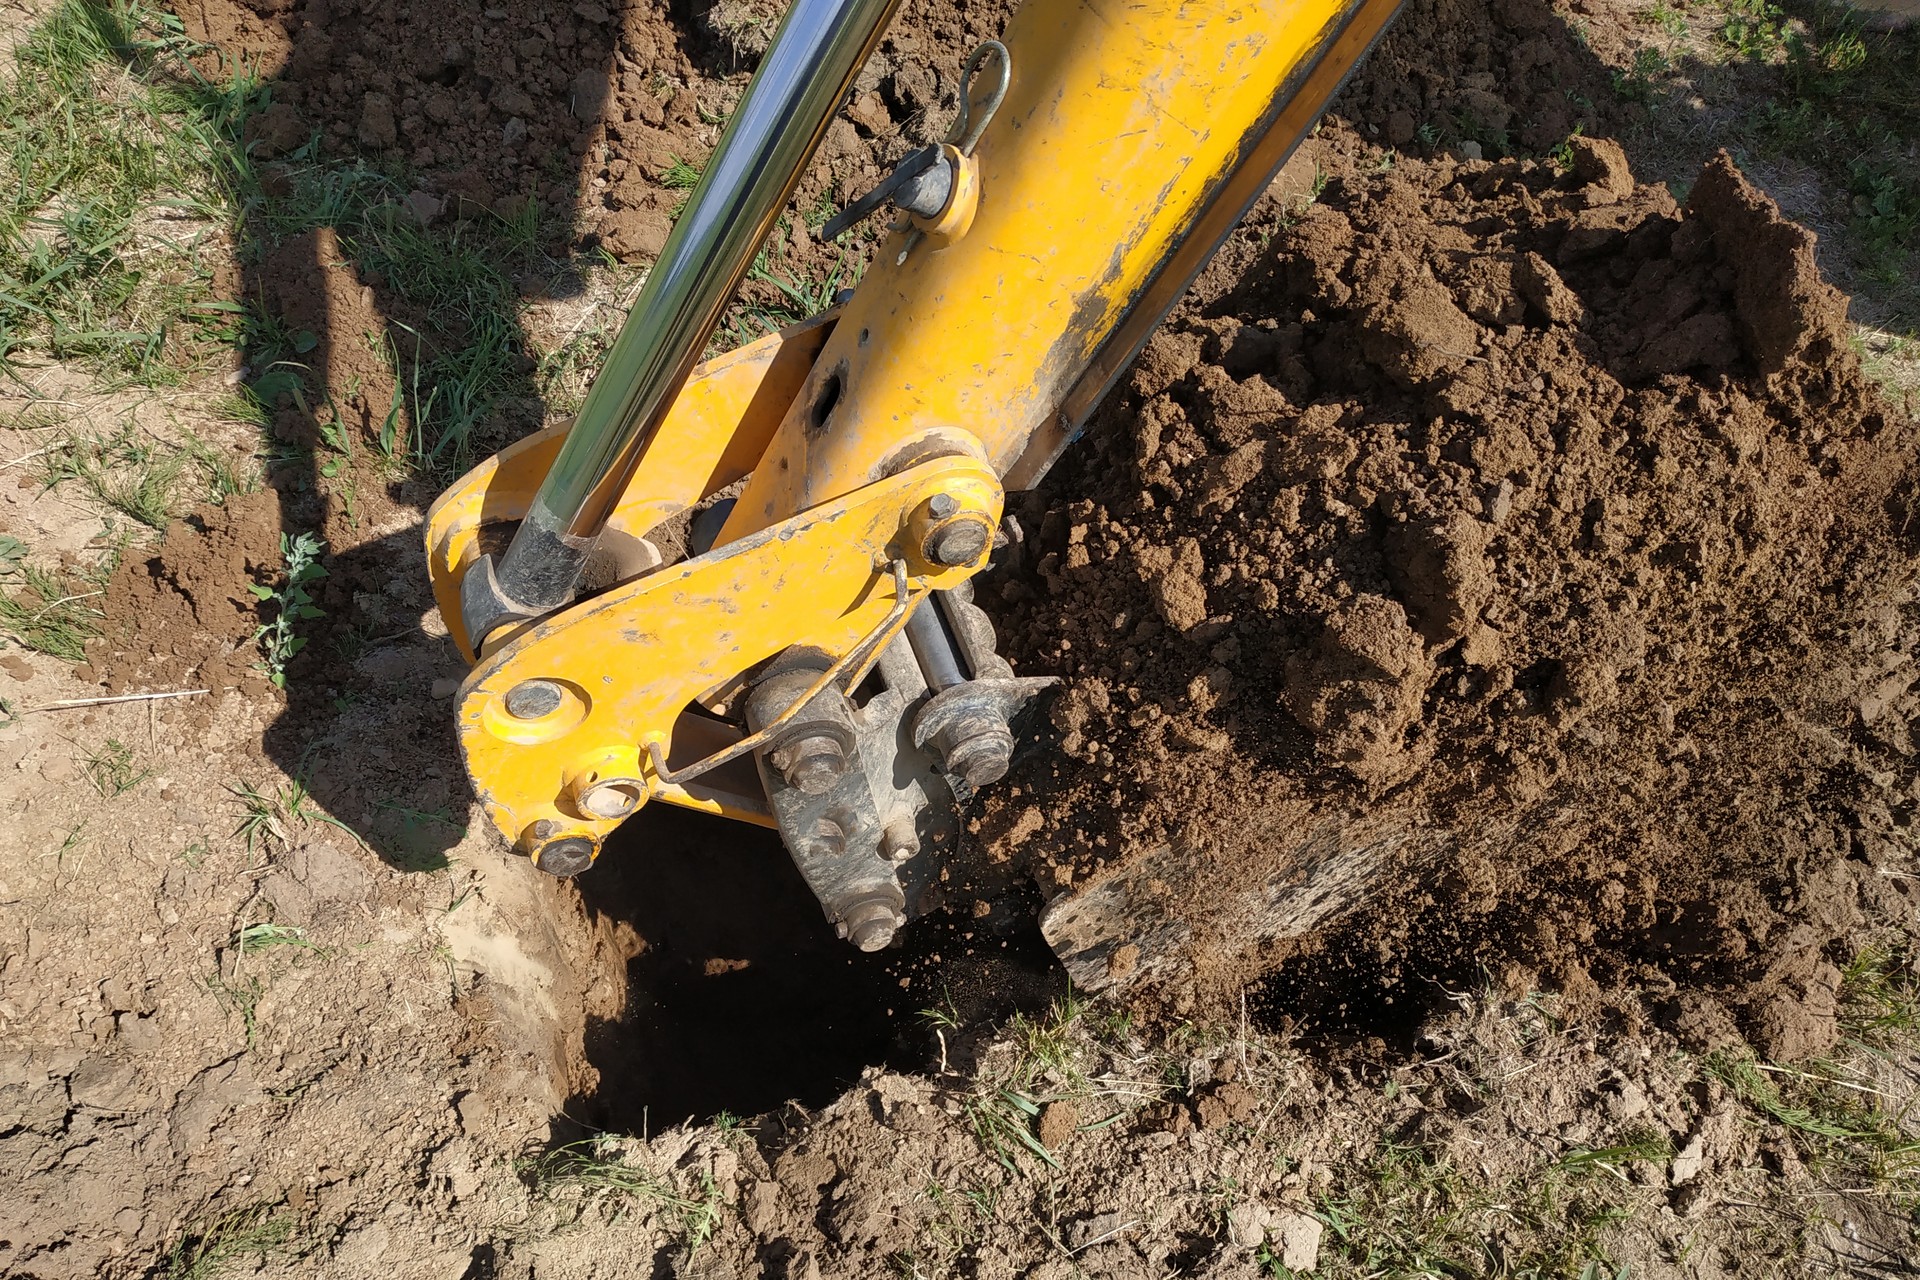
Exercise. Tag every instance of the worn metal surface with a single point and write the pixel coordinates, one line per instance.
(1120, 124)
(1296, 108)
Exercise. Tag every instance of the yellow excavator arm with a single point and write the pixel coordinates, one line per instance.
(815, 662)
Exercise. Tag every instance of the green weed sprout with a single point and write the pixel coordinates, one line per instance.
(293, 604)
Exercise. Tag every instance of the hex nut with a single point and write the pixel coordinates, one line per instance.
(811, 763)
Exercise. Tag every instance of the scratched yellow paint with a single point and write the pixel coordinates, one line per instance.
(1120, 119)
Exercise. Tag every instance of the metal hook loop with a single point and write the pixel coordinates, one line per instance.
(966, 131)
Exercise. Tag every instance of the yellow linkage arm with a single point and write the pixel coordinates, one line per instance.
(1130, 139)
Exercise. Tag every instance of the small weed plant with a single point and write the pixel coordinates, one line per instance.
(48, 611)
(1755, 29)
(292, 603)
(271, 816)
(112, 770)
(598, 1166)
(214, 1246)
(1847, 1111)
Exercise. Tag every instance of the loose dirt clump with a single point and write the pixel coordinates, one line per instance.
(1539, 538)
(1502, 76)
(181, 612)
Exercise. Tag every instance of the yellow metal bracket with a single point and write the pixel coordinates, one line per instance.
(714, 435)
(620, 673)
(840, 578)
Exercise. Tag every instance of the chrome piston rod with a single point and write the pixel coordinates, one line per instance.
(787, 107)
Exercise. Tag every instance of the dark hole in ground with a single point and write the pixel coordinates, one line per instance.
(744, 999)
(1348, 993)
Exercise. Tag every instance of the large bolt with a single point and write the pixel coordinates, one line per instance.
(981, 752)
(870, 923)
(565, 857)
(531, 699)
(959, 542)
(812, 763)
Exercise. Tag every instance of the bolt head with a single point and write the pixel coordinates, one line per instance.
(961, 542)
(942, 505)
(826, 841)
(981, 754)
(531, 699)
(564, 858)
(872, 924)
(812, 764)
(816, 771)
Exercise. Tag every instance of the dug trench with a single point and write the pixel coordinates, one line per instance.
(1532, 533)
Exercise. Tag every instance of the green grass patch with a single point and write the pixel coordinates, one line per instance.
(48, 611)
(597, 1168)
(145, 480)
(1412, 1211)
(795, 296)
(112, 769)
(272, 816)
(454, 341)
(122, 165)
(1848, 1117)
(134, 180)
(1848, 106)
(217, 1245)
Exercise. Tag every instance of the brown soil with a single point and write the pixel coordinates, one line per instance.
(180, 612)
(583, 108)
(1529, 530)
(1534, 517)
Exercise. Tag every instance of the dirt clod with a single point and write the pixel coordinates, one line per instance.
(1561, 484)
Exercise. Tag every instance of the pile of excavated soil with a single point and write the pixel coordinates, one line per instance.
(1532, 518)
(180, 614)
